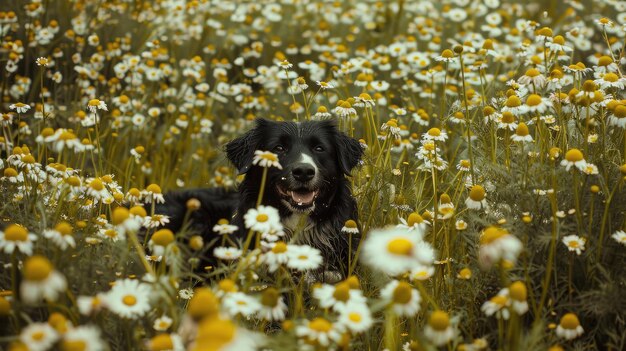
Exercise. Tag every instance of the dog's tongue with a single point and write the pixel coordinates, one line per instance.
(302, 198)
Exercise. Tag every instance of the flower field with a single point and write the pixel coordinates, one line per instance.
(491, 193)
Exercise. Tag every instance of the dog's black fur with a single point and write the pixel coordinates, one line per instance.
(310, 190)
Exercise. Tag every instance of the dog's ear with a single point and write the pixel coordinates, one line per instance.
(349, 152)
(240, 151)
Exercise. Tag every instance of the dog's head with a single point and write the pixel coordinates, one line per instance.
(313, 155)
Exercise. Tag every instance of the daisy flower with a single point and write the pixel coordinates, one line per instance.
(227, 253)
(395, 251)
(262, 219)
(522, 134)
(421, 272)
(435, 134)
(160, 240)
(536, 104)
(569, 328)
(20, 107)
(276, 257)
(439, 330)
(223, 334)
(402, 298)
(61, 235)
(507, 121)
(620, 237)
(17, 237)
(336, 296)
(88, 305)
(303, 257)
(129, 298)
(41, 280)
(350, 227)
(153, 192)
(266, 159)
(446, 56)
(476, 199)
(574, 157)
(223, 227)
(355, 316)
(39, 336)
(497, 305)
(574, 243)
(320, 331)
(324, 85)
(518, 294)
(273, 307)
(85, 337)
(239, 303)
(533, 77)
(162, 323)
(414, 223)
(94, 104)
(498, 244)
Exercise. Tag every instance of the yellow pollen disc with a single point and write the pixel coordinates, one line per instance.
(518, 291)
(262, 218)
(620, 111)
(573, 244)
(153, 188)
(269, 157)
(499, 300)
(64, 228)
(129, 300)
(574, 155)
(400, 246)
(491, 234)
(10, 172)
(270, 297)
(96, 184)
(280, 247)
(447, 53)
(605, 61)
(522, 129)
(477, 193)
(439, 320)
(119, 215)
(161, 342)
(39, 335)
(74, 345)
(342, 292)
(533, 100)
(163, 237)
(533, 72)
(15, 232)
(610, 77)
(414, 218)
(350, 224)
(570, 321)
(37, 268)
(94, 102)
(320, 324)
(355, 317)
(434, 132)
(402, 294)
(513, 101)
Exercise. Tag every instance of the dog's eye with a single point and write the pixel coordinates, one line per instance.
(279, 148)
(318, 148)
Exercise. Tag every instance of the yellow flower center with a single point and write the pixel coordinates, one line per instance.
(573, 244)
(605, 61)
(439, 320)
(262, 218)
(64, 228)
(570, 321)
(477, 193)
(574, 155)
(269, 156)
(558, 40)
(74, 345)
(620, 111)
(508, 117)
(435, 132)
(270, 297)
(355, 317)
(163, 237)
(403, 293)
(320, 325)
(465, 273)
(203, 304)
(533, 100)
(94, 102)
(38, 335)
(522, 129)
(119, 215)
(342, 292)
(518, 292)
(280, 247)
(227, 285)
(533, 72)
(610, 77)
(214, 334)
(28, 159)
(15, 232)
(414, 218)
(67, 135)
(491, 234)
(138, 211)
(447, 53)
(96, 184)
(129, 300)
(37, 268)
(499, 300)
(161, 342)
(350, 224)
(153, 188)
(513, 101)
(10, 172)
(400, 246)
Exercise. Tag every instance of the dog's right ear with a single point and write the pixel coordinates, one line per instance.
(240, 151)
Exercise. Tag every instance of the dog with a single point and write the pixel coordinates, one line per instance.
(311, 191)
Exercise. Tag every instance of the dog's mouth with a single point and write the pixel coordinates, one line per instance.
(299, 198)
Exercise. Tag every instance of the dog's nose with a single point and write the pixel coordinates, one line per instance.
(303, 172)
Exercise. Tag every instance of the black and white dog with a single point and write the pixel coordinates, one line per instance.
(311, 191)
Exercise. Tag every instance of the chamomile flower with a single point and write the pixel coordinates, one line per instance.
(273, 307)
(569, 328)
(39, 336)
(402, 298)
(61, 235)
(498, 244)
(336, 296)
(439, 330)
(620, 237)
(350, 227)
(320, 331)
(266, 159)
(395, 251)
(414, 223)
(153, 193)
(574, 243)
(303, 257)
(162, 323)
(262, 219)
(498, 305)
(166, 342)
(355, 316)
(20, 107)
(87, 337)
(129, 298)
(223, 227)
(227, 253)
(94, 105)
(240, 303)
(518, 294)
(41, 280)
(522, 134)
(421, 272)
(435, 134)
(16, 237)
(574, 157)
(477, 198)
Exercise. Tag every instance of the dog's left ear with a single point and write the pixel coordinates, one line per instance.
(349, 152)
(240, 151)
